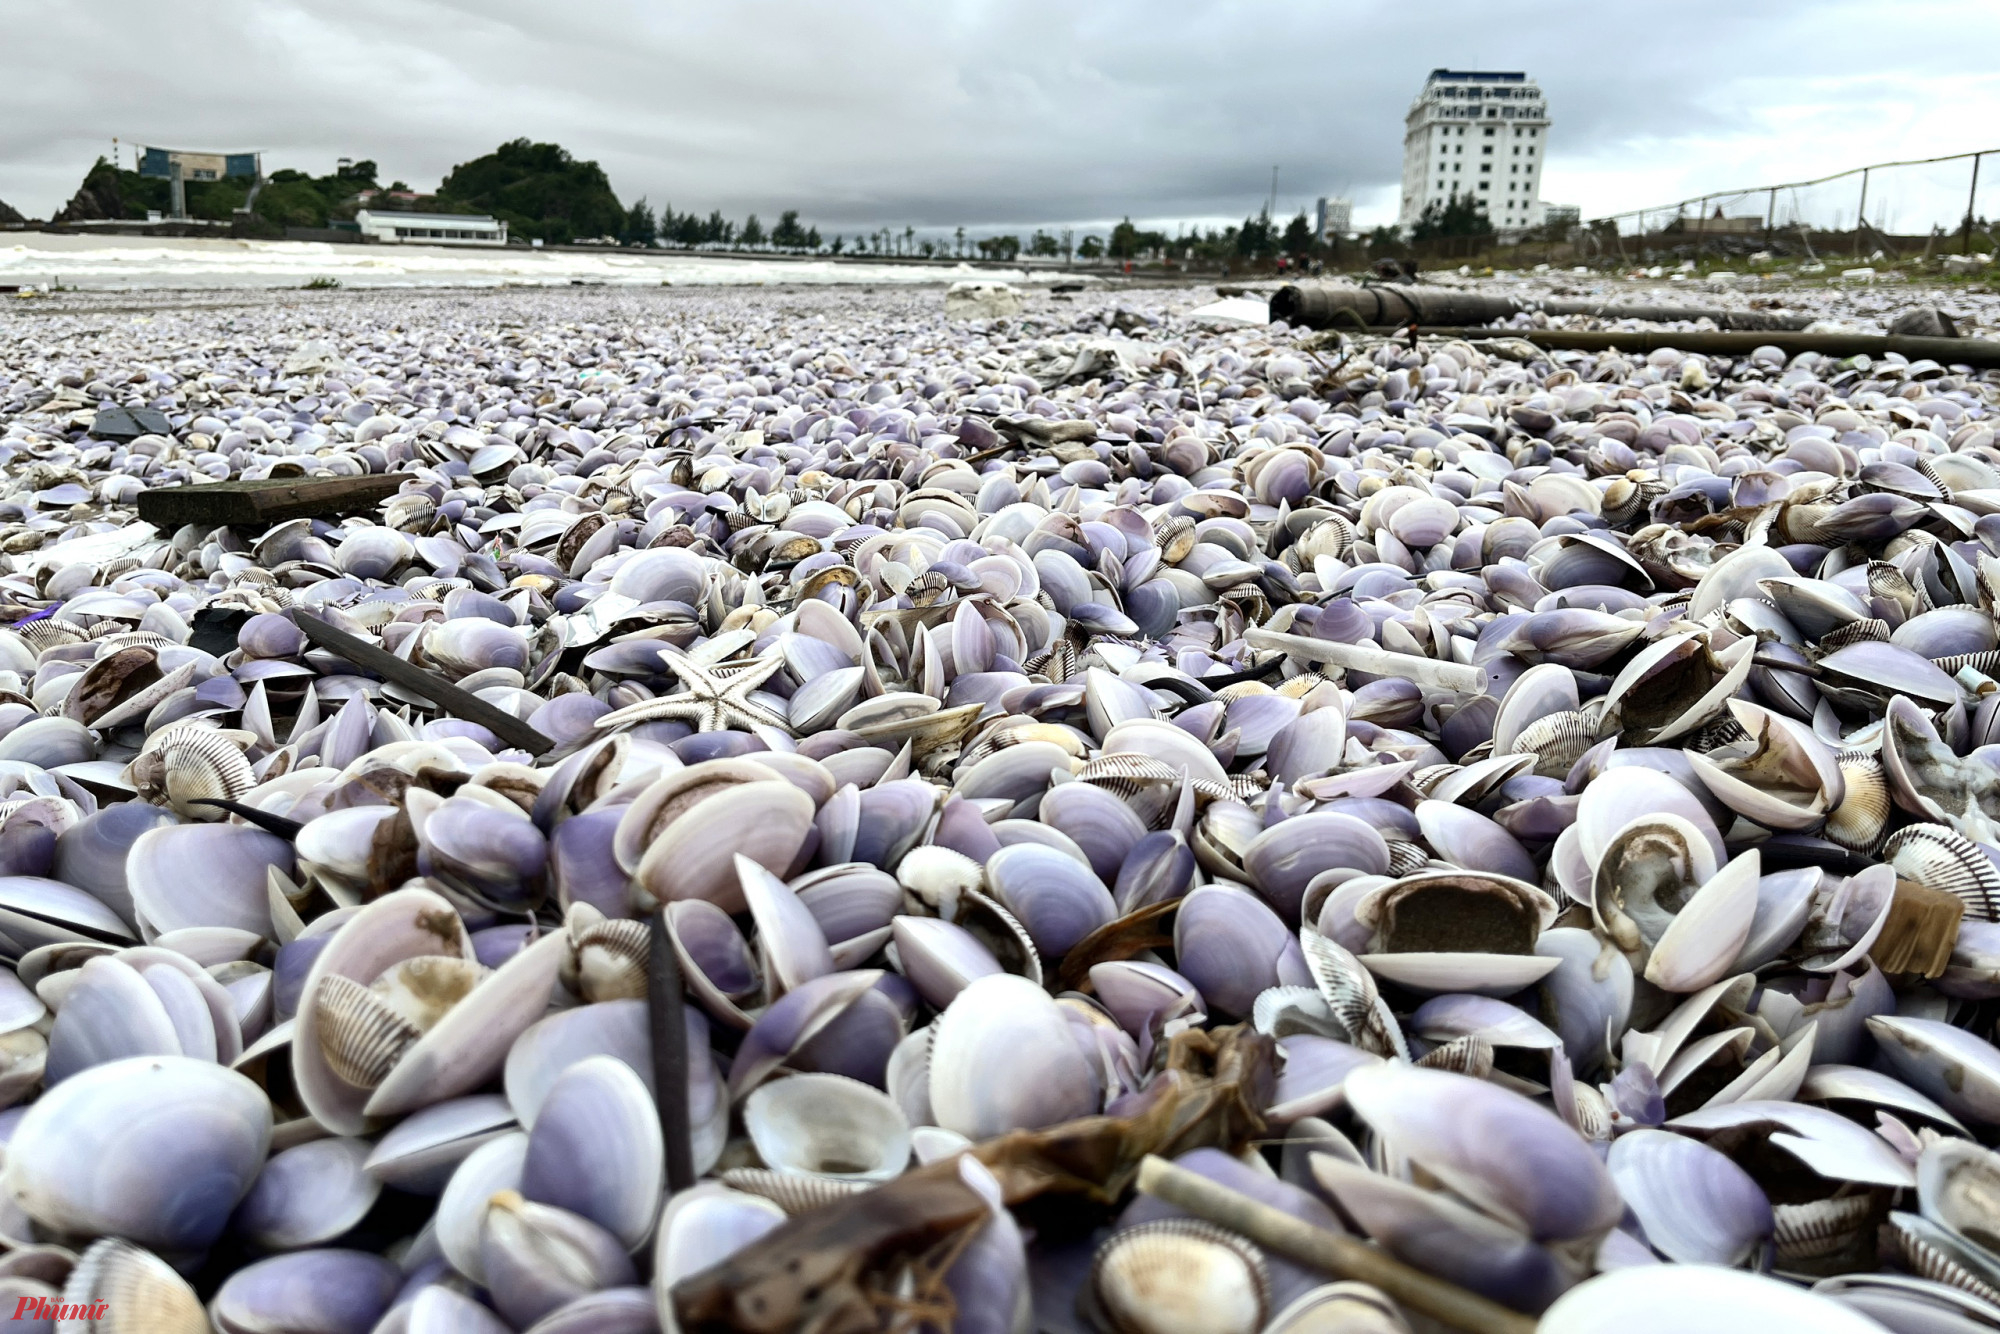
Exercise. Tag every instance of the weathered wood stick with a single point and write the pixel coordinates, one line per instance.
(1326, 1251)
(1375, 661)
(266, 501)
(448, 697)
(665, 1005)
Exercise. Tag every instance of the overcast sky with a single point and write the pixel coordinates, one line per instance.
(994, 113)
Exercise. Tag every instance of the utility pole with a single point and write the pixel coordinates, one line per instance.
(1271, 209)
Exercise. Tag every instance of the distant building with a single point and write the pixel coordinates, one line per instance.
(1333, 217)
(1476, 133)
(447, 228)
(161, 162)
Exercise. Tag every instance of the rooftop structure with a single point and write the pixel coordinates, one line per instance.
(1481, 134)
(437, 228)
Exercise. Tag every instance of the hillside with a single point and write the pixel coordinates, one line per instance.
(539, 190)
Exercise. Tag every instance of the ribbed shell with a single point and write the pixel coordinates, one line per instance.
(793, 1193)
(1468, 1055)
(197, 764)
(1928, 1260)
(51, 632)
(1944, 859)
(1175, 537)
(611, 959)
(1406, 858)
(928, 587)
(1557, 742)
(1985, 662)
(360, 1033)
(1863, 631)
(141, 1292)
(1128, 775)
(1857, 822)
(1820, 1228)
(1181, 1273)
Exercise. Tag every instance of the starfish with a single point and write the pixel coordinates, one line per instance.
(715, 698)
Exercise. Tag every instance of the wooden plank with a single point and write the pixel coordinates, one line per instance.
(265, 502)
(458, 703)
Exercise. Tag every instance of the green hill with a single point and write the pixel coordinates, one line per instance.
(538, 190)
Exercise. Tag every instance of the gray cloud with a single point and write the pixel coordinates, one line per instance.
(937, 113)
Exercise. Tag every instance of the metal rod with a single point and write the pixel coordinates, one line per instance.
(1861, 213)
(1971, 199)
(448, 697)
(665, 1012)
(1328, 1252)
(1800, 185)
(1375, 661)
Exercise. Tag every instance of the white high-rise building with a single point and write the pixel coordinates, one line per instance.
(1477, 133)
(1333, 217)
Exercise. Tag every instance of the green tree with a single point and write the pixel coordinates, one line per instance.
(1298, 238)
(788, 235)
(1041, 243)
(752, 233)
(1092, 247)
(1384, 237)
(1257, 237)
(538, 190)
(1001, 248)
(839, 243)
(1462, 215)
(960, 235)
(640, 228)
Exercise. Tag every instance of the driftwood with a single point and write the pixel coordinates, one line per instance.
(838, 1268)
(1387, 306)
(265, 502)
(1945, 351)
(1328, 1252)
(458, 703)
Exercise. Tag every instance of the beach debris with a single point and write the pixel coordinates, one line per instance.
(981, 300)
(773, 813)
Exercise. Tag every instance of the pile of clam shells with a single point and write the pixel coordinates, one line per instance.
(949, 691)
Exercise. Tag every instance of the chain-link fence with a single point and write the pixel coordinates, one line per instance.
(1951, 202)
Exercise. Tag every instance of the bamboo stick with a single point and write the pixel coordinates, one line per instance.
(1326, 1251)
(1373, 660)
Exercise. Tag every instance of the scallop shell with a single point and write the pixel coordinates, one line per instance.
(141, 1292)
(1175, 537)
(1858, 821)
(1943, 859)
(197, 764)
(1819, 1229)
(1180, 1274)
(793, 1193)
(361, 1033)
(1557, 741)
(1927, 1250)
(608, 957)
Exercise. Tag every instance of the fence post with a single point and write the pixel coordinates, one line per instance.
(1770, 217)
(1971, 197)
(1861, 213)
